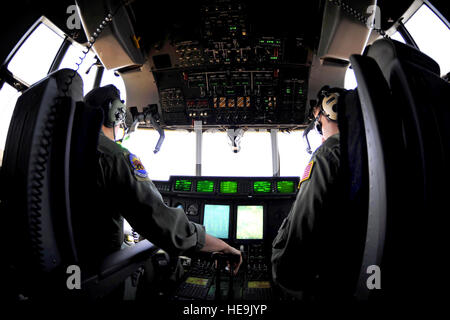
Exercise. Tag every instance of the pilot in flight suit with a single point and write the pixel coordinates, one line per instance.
(301, 245)
(126, 191)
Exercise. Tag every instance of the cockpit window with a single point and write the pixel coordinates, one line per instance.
(293, 154)
(176, 157)
(254, 158)
(177, 154)
(111, 77)
(350, 79)
(87, 69)
(397, 36)
(431, 35)
(8, 98)
(34, 58)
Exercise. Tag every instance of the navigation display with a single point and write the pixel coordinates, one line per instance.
(262, 186)
(228, 187)
(250, 222)
(216, 220)
(183, 185)
(205, 186)
(285, 186)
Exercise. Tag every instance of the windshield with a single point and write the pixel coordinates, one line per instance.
(177, 154)
(176, 157)
(434, 40)
(254, 158)
(293, 155)
(34, 58)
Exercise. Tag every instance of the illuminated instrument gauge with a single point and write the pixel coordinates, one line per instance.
(285, 186)
(228, 187)
(262, 186)
(183, 185)
(205, 186)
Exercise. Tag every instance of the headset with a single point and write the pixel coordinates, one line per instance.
(108, 99)
(328, 99)
(328, 104)
(114, 113)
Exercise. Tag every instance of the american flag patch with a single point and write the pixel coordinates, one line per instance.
(307, 173)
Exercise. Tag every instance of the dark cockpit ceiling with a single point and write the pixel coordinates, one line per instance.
(184, 20)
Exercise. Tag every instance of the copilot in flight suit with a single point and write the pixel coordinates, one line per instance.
(126, 191)
(302, 245)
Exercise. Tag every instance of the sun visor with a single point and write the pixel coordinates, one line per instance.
(343, 33)
(117, 46)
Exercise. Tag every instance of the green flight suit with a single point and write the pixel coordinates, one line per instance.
(127, 192)
(302, 243)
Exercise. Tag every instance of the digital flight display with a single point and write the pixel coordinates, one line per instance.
(285, 186)
(205, 186)
(262, 186)
(250, 221)
(216, 219)
(228, 187)
(183, 185)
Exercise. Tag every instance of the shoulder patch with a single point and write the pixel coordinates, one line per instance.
(138, 168)
(307, 173)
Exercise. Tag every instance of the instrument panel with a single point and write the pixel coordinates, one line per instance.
(245, 212)
(223, 187)
(231, 72)
(197, 195)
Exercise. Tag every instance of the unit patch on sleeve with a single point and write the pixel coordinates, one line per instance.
(138, 168)
(307, 173)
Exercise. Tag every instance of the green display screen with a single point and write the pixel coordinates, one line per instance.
(205, 186)
(285, 186)
(228, 187)
(262, 186)
(183, 185)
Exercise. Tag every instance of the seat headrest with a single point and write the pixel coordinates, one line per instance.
(385, 51)
(64, 80)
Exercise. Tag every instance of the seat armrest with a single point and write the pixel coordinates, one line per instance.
(115, 268)
(122, 258)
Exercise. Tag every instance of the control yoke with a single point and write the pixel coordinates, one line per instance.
(222, 259)
(149, 114)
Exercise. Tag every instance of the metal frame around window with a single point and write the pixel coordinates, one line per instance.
(199, 149)
(409, 13)
(6, 75)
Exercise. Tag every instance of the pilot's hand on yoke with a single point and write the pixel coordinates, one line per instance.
(213, 244)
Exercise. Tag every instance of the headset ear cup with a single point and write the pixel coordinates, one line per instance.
(117, 112)
(329, 106)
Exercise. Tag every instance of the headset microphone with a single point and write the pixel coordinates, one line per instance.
(305, 136)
